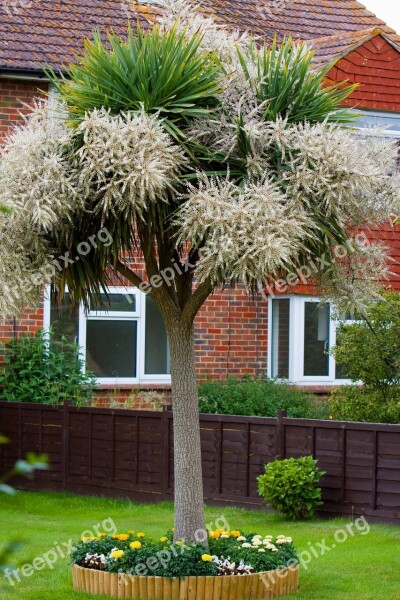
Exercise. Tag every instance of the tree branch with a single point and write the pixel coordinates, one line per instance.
(196, 301)
(128, 274)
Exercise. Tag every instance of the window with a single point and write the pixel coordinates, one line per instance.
(122, 340)
(302, 332)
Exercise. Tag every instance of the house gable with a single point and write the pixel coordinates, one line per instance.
(375, 66)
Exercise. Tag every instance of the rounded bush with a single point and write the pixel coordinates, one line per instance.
(290, 486)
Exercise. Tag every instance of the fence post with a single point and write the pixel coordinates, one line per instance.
(65, 444)
(167, 408)
(280, 434)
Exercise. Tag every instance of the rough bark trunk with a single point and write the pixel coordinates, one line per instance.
(189, 504)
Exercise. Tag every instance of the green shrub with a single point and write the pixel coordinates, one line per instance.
(352, 403)
(368, 351)
(259, 398)
(44, 370)
(290, 486)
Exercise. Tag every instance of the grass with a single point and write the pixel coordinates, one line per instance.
(365, 567)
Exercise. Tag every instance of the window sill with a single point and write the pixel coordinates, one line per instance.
(133, 386)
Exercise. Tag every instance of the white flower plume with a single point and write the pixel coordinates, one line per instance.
(36, 178)
(23, 261)
(243, 233)
(352, 282)
(342, 172)
(127, 161)
(190, 19)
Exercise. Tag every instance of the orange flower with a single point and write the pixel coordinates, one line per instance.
(122, 537)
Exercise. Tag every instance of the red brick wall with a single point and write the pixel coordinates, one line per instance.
(14, 94)
(231, 335)
(375, 65)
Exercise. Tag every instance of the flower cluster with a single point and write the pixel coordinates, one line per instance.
(245, 232)
(125, 162)
(226, 567)
(229, 552)
(94, 561)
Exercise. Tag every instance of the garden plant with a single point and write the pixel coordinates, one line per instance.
(291, 486)
(223, 160)
(369, 353)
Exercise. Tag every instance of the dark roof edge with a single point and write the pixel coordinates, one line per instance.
(22, 73)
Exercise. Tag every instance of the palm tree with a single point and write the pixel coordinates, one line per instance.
(189, 154)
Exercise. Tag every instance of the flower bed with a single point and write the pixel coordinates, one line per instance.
(235, 566)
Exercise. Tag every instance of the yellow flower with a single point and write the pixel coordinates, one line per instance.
(117, 554)
(131, 531)
(235, 533)
(206, 557)
(140, 534)
(211, 534)
(88, 539)
(135, 545)
(102, 534)
(122, 537)
(163, 539)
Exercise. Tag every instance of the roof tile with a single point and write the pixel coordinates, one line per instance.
(45, 32)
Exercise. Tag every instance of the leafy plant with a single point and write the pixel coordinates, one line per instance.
(363, 404)
(368, 351)
(25, 467)
(292, 89)
(162, 72)
(259, 397)
(44, 370)
(290, 486)
(133, 553)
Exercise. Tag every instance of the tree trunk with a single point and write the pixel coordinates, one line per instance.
(189, 504)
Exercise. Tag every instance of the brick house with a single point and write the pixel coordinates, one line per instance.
(285, 335)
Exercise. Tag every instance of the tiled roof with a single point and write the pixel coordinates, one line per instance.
(42, 32)
(328, 49)
(51, 31)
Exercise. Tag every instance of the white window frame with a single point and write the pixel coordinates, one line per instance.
(296, 343)
(376, 118)
(138, 315)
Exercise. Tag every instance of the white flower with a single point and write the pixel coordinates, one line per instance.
(246, 545)
(261, 550)
(126, 162)
(241, 538)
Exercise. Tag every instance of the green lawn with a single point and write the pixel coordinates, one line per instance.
(365, 567)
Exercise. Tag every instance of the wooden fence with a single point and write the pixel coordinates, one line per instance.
(124, 453)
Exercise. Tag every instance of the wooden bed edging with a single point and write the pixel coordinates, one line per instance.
(271, 584)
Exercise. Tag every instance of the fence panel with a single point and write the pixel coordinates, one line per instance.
(126, 453)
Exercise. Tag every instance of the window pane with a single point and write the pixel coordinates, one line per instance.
(156, 344)
(316, 339)
(111, 348)
(64, 320)
(280, 338)
(115, 303)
